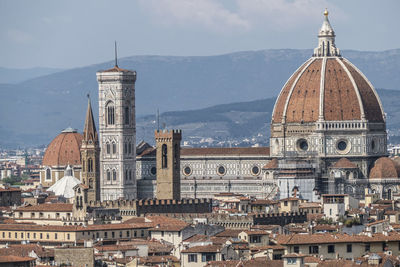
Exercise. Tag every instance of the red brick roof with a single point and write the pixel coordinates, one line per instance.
(57, 207)
(12, 258)
(220, 151)
(344, 163)
(385, 168)
(300, 97)
(10, 189)
(117, 69)
(297, 239)
(200, 249)
(164, 223)
(273, 164)
(64, 150)
(24, 250)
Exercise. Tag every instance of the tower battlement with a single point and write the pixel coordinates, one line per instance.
(168, 134)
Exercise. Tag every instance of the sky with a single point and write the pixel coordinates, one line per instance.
(67, 34)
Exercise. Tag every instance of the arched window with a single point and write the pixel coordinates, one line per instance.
(164, 156)
(114, 148)
(130, 175)
(114, 175)
(125, 148)
(90, 183)
(108, 146)
(108, 175)
(126, 115)
(129, 148)
(126, 175)
(90, 165)
(110, 113)
(80, 201)
(389, 194)
(83, 165)
(48, 174)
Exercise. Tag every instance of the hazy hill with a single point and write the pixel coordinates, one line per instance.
(8, 75)
(34, 111)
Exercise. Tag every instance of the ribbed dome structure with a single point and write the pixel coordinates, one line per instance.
(64, 149)
(385, 168)
(327, 87)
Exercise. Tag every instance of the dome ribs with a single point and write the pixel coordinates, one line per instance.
(372, 107)
(63, 150)
(339, 95)
(384, 168)
(303, 104)
(281, 100)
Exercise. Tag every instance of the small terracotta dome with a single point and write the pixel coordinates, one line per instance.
(385, 168)
(344, 163)
(64, 149)
(273, 164)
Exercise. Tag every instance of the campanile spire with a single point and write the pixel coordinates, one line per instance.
(326, 40)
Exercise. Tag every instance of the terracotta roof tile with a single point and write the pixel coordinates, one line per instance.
(64, 150)
(61, 207)
(220, 151)
(340, 101)
(304, 101)
(12, 258)
(385, 168)
(199, 249)
(273, 164)
(344, 163)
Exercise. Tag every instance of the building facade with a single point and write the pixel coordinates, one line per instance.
(117, 133)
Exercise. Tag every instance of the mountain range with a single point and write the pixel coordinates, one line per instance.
(222, 98)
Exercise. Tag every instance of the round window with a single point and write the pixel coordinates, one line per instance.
(255, 170)
(302, 144)
(187, 170)
(153, 170)
(221, 170)
(342, 145)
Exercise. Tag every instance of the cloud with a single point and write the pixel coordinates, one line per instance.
(205, 13)
(282, 14)
(245, 14)
(18, 36)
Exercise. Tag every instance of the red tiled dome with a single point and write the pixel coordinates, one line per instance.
(385, 168)
(64, 149)
(329, 87)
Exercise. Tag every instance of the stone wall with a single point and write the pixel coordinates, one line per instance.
(77, 257)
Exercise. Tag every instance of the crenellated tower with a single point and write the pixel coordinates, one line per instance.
(90, 156)
(168, 145)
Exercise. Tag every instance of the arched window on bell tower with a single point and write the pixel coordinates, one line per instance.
(126, 115)
(164, 156)
(90, 165)
(110, 113)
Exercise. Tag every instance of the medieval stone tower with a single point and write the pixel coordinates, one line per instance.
(168, 145)
(90, 156)
(117, 133)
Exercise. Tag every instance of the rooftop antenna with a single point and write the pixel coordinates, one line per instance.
(158, 120)
(115, 50)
